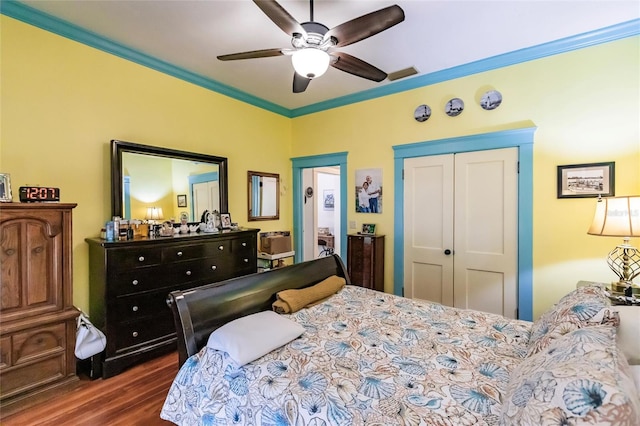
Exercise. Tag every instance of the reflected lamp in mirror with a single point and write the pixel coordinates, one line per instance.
(620, 217)
(154, 214)
(263, 196)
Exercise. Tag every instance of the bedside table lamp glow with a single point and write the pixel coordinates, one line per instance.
(620, 217)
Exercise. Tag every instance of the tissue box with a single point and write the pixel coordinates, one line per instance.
(275, 242)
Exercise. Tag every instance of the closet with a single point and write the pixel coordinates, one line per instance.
(460, 229)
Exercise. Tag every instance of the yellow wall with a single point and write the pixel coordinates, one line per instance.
(63, 101)
(586, 106)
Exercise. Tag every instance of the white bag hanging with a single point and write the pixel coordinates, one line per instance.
(89, 340)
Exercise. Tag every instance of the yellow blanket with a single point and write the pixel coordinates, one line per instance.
(290, 301)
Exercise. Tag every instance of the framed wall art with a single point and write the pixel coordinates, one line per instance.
(182, 200)
(586, 180)
(5, 188)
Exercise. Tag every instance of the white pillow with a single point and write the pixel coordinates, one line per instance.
(248, 338)
(629, 332)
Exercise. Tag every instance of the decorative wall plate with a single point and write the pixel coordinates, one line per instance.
(454, 107)
(491, 100)
(422, 113)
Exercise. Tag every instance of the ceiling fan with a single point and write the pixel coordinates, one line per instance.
(314, 43)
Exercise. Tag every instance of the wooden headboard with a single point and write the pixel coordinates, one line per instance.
(199, 311)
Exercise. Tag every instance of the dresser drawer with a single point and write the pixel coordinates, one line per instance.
(219, 248)
(133, 333)
(187, 252)
(22, 379)
(139, 306)
(135, 257)
(39, 342)
(136, 280)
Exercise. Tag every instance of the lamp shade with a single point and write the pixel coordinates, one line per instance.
(154, 213)
(617, 217)
(310, 62)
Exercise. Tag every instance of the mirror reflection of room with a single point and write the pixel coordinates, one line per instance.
(155, 182)
(263, 194)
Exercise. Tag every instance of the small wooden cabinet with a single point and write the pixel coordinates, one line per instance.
(365, 260)
(38, 328)
(129, 282)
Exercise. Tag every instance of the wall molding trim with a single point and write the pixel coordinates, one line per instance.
(29, 15)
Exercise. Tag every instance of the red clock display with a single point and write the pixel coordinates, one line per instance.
(32, 194)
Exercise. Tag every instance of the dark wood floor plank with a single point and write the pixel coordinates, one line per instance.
(134, 397)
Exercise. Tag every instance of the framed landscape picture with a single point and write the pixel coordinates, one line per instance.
(586, 180)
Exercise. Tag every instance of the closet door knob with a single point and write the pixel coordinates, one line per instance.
(447, 252)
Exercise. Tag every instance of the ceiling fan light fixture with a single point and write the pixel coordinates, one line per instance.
(310, 62)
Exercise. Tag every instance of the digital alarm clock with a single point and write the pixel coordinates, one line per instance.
(37, 194)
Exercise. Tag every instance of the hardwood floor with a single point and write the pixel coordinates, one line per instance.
(133, 397)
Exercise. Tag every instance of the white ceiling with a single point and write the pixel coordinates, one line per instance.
(435, 35)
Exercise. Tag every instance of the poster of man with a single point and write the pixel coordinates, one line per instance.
(369, 191)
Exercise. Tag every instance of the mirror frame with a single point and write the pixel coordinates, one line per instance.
(250, 174)
(119, 147)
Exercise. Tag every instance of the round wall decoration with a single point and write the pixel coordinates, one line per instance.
(491, 100)
(454, 107)
(422, 113)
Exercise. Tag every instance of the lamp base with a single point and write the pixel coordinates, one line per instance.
(625, 288)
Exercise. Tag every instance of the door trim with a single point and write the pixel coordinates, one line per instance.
(520, 138)
(314, 161)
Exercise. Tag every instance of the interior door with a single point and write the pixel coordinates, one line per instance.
(428, 228)
(461, 230)
(205, 197)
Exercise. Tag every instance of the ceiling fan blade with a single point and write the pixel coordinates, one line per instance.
(357, 67)
(265, 53)
(280, 17)
(300, 83)
(366, 25)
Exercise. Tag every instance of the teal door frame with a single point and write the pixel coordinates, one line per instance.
(325, 160)
(520, 138)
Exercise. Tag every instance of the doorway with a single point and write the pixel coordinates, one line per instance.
(321, 212)
(313, 210)
(522, 139)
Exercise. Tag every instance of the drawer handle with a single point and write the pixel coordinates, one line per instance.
(246, 261)
(188, 273)
(134, 309)
(134, 282)
(214, 267)
(179, 253)
(141, 259)
(220, 247)
(244, 244)
(134, 334)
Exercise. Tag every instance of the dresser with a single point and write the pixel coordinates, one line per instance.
(130, 280)
(38, 328)
(365, 260)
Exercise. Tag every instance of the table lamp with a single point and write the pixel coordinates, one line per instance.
(620, 217)
(154, 214)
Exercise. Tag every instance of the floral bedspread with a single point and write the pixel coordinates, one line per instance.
(365, 357)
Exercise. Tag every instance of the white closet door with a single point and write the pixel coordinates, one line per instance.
(486, 231)
(460, 230)
(428, 228)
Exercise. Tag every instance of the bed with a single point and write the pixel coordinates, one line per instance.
(366, 357)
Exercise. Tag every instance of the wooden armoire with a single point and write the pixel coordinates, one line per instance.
(38, 327)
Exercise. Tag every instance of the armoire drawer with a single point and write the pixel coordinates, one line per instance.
(22, 379)
(34, 343)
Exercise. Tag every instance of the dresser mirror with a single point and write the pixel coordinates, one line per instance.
(264, 199)
(149, 182)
